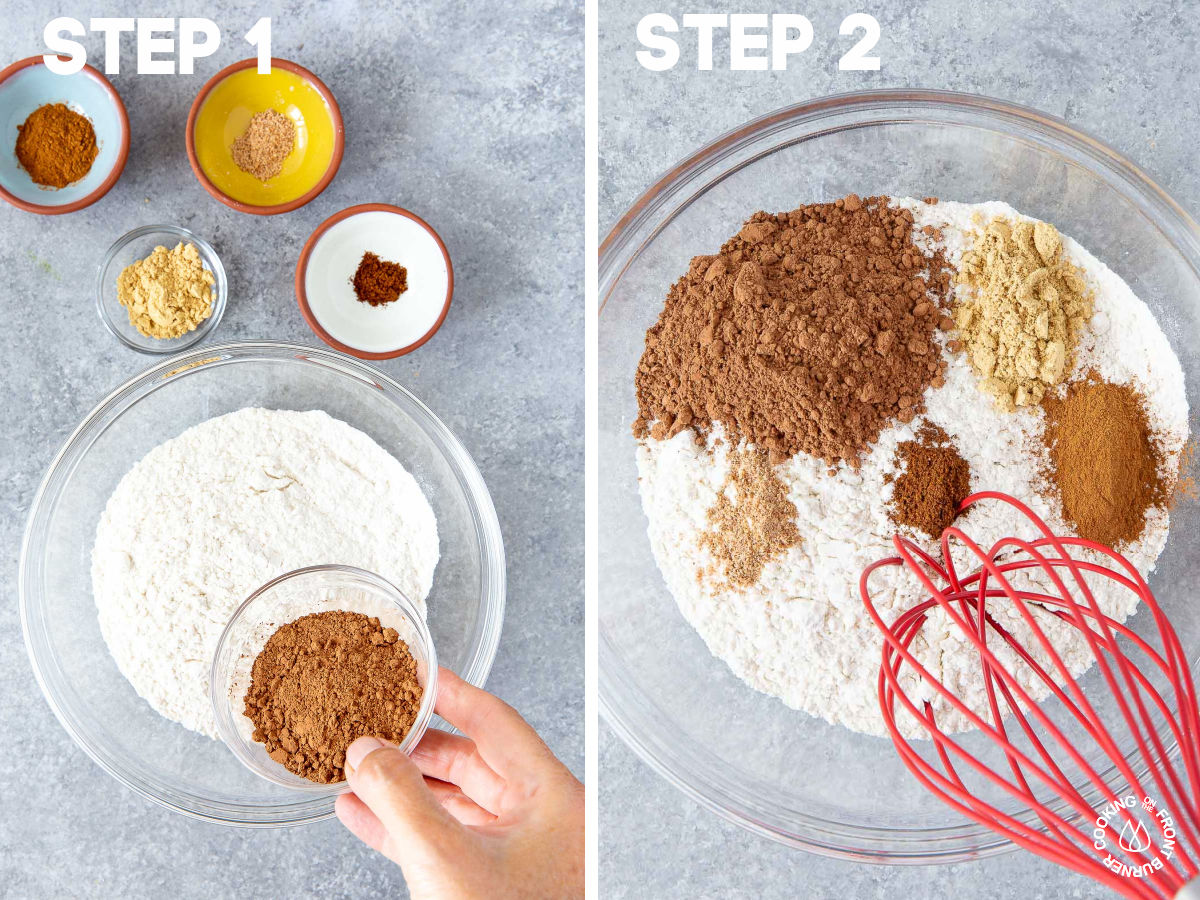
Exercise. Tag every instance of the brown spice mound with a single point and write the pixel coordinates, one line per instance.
(808, 332)
(753, 521)
(934, 481)
(56, 145)
(325, 680)
(377, 281)
(1107, 467)
(265, 144)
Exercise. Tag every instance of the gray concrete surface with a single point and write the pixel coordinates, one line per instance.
(1117, 70)
(471, 116)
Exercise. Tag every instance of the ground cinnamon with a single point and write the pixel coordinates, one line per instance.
(934, 479)
(56, 145)
(377, 281)
(1106, 465)
(808, 332)
(325, 680)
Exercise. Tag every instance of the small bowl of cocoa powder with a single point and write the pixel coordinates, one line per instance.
(313, 660)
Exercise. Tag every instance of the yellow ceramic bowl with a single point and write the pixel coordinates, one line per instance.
(223, 109)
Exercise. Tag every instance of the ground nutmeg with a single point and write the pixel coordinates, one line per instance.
(267, 141)
(56, 145)
(752, 522)
(325, 680)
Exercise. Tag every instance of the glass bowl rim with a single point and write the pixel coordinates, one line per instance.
(220, 698)
(207, 253)
(102, 415)
(656, 208)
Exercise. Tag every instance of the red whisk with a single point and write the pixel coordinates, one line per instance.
(1106, 784)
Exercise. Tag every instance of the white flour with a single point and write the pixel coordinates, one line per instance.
(207, 517)
(801, 632)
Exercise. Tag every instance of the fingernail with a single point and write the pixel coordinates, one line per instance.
(358, 751)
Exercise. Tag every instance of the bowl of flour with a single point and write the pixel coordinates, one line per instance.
(758, 700)
(195, 483)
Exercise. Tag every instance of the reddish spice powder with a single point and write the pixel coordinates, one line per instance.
(378, 281)
(934, 481)
(56, 145)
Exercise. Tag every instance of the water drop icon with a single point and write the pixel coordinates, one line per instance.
(1134, 838)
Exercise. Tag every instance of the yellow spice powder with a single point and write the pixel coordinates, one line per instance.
(168, 293)
(1026, 307)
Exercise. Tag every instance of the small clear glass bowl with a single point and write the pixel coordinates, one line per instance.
(138, 244)
(313, 589)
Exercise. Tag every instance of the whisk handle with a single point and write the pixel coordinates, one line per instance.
(1190, 891)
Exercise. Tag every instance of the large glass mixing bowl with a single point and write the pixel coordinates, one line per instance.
(156, 757)
(742, 754)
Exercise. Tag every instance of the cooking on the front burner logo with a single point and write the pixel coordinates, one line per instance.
(1134, 839)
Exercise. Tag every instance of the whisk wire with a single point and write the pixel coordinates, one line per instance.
(1067, 829)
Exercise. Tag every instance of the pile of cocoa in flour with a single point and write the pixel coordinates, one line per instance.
(325, 680)
(808, 332)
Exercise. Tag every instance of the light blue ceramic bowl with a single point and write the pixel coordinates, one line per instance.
(28, 84)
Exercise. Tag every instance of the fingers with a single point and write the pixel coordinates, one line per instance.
(361, 822)
(504, 740)
(449, 757)
(393, 788)
(462, 807)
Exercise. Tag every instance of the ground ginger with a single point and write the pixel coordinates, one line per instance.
(168, 293)
(1020, 322)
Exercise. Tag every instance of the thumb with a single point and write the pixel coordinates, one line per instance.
(393, 788)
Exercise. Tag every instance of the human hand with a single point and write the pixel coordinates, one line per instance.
(493, 814)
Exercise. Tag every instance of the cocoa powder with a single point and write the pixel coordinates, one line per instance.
(808, 332)
(934, 479)
(1106, 465)
(325, 680)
